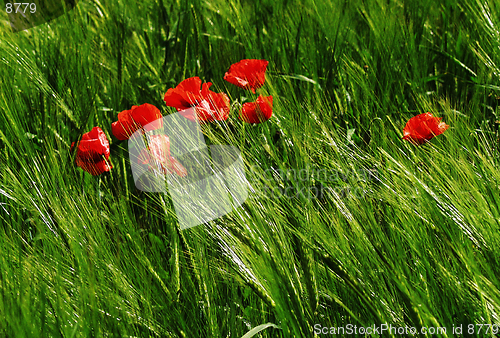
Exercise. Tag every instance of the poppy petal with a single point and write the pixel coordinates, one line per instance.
(157, 156)
(95, 168)
(129, 121)
(125, 126)
(247, 74)
(185, 95)
(259, 111)
(147, 115)
(119, 131)
(178, 168)
(93, 144)
(214, 108)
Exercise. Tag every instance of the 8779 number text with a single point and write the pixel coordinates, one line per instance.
(20, 7)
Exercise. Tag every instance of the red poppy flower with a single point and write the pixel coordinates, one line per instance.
(129, 121)
(421, 128)
(158, 156)
(189, 99)
(92, 152)
(247, 74)
(258, 111)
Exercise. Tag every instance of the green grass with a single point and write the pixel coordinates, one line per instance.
(414, 243)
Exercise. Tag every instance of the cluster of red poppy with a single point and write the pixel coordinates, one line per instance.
(189, 97)
(210, 106)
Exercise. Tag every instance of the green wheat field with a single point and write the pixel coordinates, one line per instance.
(345, 223)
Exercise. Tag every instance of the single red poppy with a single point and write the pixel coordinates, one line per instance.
(247, 74)
(129, 121)
(93, 152)
(189, 99)
(421, 128)
(258, 111)
(158, 156)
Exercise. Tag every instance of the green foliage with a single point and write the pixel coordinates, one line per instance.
(377, 231)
